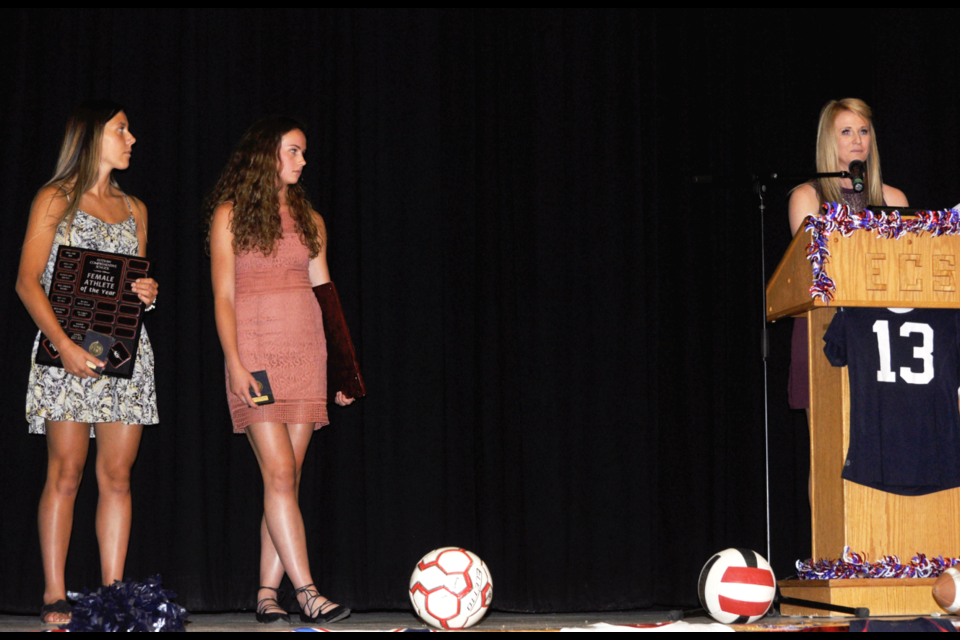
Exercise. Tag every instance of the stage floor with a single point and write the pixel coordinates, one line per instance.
(495, 621)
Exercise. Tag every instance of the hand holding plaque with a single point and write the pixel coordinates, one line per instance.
(97, 345)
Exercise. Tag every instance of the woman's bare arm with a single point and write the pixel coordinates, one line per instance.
(319, 271)
(223, 272)
(145, 288)
(803, 203)
(41, 232)
(894, 197)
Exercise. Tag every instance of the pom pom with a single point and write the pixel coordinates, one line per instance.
(837, 217)
(127, 606)
(856, 565)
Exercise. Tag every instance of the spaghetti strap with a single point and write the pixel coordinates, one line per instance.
(129, 208)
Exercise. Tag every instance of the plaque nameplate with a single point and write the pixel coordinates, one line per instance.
(91, 292)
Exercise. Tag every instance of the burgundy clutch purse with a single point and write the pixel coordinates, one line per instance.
(343, 372)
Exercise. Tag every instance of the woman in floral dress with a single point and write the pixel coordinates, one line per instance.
(83, 207)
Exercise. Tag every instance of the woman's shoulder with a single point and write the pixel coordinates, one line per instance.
(893, 197)
(51, 193)
(321, 228)
(223, 210)
(136, 205)
(805, 192)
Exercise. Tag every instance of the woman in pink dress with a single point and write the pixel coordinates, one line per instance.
(268, 251)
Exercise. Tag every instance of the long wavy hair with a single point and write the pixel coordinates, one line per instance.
(828, 151)
(250, 182)
(79, 163)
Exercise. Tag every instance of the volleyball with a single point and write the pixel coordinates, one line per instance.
(451, 588)
(946, 590)
(737, 586)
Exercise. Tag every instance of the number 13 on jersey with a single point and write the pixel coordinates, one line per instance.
(923, 352)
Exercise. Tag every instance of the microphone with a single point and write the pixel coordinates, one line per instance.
(857, 175)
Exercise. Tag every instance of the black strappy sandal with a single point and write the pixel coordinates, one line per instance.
(60, 606)
(327, 613)
(263, 617)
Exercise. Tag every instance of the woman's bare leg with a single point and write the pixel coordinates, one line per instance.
(67, 445)
(273, 445)
(271, 569)
(117, 447)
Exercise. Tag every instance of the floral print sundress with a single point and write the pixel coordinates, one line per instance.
(53, 394)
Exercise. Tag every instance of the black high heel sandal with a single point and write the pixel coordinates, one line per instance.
(327, 612)
(263, 617)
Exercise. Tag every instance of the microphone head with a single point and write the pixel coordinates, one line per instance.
(857, 172)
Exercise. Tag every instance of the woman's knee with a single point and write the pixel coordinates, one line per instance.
(64, 477)
(280, 479)
(113, 478)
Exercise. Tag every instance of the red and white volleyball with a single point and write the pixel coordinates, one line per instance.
(946, 590)
(737, 586)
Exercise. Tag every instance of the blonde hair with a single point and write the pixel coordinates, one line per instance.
(79, 163)
(828, 151)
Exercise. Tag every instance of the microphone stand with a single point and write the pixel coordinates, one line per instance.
(759, 187)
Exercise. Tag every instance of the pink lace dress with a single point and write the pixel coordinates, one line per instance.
(280, 330)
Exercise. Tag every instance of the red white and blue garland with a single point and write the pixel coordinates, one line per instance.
(856, 565)
(838, 217)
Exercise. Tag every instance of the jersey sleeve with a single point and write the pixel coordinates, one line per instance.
(835, 339)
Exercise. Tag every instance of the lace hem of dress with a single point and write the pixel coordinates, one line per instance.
(282, 411)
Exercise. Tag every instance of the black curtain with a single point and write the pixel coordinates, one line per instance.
(560, 333)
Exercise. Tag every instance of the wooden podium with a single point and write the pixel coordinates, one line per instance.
(914, 271)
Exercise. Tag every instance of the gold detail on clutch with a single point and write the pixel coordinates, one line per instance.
(96, 349)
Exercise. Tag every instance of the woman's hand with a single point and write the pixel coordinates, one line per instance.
(241, 382)
(75, 359)
(146, 289)
(343, 400)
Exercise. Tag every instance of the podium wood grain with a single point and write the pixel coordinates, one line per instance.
(883, 597)
(868, 272)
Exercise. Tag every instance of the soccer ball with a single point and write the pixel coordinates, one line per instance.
(737, 586)
(451, 588)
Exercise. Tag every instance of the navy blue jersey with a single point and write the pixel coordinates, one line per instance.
(904, 419)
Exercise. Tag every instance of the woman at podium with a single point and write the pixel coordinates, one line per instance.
(845, 134)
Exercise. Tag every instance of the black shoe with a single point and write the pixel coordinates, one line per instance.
(274, 616)
(60, 606)
(326, 613)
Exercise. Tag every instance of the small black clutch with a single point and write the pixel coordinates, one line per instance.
(263, 395)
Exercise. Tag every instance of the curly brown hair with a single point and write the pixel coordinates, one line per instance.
(249, 181)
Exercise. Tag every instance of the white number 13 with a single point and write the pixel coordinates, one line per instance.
(923, 352)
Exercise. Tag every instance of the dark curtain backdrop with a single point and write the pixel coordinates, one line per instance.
(560, 333)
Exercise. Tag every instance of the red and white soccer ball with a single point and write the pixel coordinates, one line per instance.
(946, 590)
(451, 588)
(737, 586)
